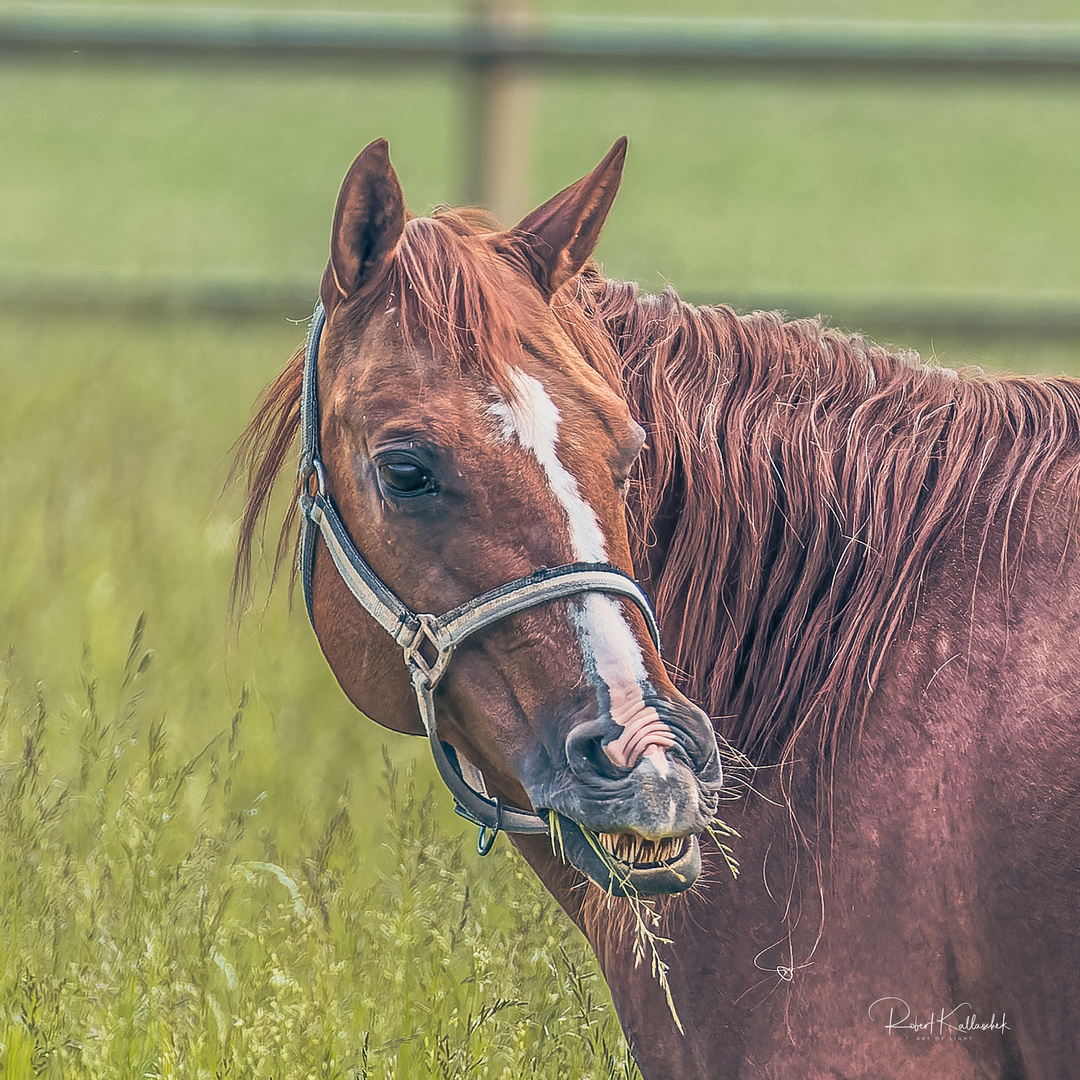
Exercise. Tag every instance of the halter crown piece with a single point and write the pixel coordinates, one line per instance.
(422, 635)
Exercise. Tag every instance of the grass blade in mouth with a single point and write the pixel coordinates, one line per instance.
(646, 919)
(555, 828)
(717, 829)
(645, 916)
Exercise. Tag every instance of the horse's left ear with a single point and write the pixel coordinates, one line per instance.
(555, 239)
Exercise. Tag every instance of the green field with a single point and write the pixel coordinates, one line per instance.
(206, 868)
(187, 894)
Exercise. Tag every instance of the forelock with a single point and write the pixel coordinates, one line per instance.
(455, 293)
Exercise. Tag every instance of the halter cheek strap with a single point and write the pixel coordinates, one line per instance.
(428, 641)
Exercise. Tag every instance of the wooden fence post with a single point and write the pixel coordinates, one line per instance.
(499, 107)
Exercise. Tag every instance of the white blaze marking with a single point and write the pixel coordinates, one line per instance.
(533, 419)
(607, 642)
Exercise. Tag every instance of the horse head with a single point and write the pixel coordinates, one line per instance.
(471, 437)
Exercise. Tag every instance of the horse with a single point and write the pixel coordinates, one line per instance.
(864, 574)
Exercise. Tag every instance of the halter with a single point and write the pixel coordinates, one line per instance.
(428, 641)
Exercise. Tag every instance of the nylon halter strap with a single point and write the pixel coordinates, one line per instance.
(428, 641)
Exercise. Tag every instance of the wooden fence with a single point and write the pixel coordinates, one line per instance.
(500, 43)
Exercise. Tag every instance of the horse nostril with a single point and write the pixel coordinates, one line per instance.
(586, 754)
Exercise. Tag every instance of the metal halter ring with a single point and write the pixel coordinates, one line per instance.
(485, 838)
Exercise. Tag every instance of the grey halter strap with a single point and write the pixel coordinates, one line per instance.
(428, 641)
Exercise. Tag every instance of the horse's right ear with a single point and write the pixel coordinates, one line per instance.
(368, 221)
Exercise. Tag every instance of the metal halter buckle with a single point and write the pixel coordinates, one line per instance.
(427, 633)
(312, 482)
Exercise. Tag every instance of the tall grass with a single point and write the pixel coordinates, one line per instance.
(154, 926)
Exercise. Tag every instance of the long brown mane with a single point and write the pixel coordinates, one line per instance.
(796, 485)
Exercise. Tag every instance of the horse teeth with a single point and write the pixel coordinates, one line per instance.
(637, 851)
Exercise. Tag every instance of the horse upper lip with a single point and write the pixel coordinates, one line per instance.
(642, 800)
(600, 749)
(639, 734)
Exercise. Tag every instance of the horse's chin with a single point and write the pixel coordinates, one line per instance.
(628, 865)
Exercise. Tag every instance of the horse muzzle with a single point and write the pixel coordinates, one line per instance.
(632, 829)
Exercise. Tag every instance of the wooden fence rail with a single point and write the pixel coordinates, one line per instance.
(817, 46)
(1047, 316)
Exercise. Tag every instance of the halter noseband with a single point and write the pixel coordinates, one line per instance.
(423, 635)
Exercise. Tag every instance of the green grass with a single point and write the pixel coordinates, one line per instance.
(154, 926)
(119, 436)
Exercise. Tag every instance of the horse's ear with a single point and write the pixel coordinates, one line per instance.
(368, 221)
(556, 238)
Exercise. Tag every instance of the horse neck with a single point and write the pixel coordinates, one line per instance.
(796, 483)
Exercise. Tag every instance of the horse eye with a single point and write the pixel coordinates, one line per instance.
(404, 477)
